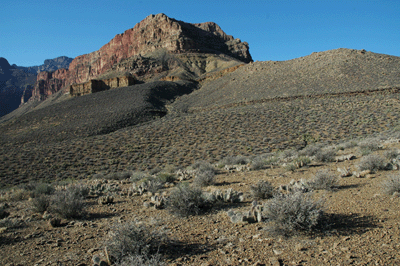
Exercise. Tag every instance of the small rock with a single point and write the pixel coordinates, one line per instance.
(274, 261)
(55, 222)
(277, 251)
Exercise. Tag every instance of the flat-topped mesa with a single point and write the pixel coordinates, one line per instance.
(153, 34)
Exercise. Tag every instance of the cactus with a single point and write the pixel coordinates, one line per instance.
(252, 216)
(229, 195)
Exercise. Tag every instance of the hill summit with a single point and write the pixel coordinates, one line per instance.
(157, 48)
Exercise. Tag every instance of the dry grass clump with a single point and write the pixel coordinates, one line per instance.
(205, 174)
(325, 155)
(323, 180)
(288, 214)
(310, 150)
(69, 203)
(185, 200)
(231, 160)
(41, 203)
(368, 145)
(134, 243)
(372, 162)
(392, 154)
(391, 185)
(262, 190)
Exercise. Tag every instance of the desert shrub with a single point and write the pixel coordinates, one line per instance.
(204, 178)
(42, 189)
(368, 145)
(229, 160)
(325, 155)
(310, 150)
(258, 163)
(3, 212)
(118, 176)
(288, 154)
(391, 154)
(323, 180)
(135, 242)
(17, 194)
(150, 184)
(290, 167)
(391, 185)
(12, 222)
(291, 213)
(185, 200)
(138, 175)
(68, 203)
(347, 145)
(372, 162)
(262, 190)
(40, 203)
(202, 166)
(165, 177)
(301, 161)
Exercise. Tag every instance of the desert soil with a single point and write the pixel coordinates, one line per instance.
(364, 229)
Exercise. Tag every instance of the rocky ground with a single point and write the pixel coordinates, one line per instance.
(363, 223)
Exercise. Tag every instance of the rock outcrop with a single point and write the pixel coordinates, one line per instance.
(96, 85)
(49, 82)
(158, 44)
(15, 85)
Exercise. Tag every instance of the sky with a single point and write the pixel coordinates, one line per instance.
(34, 30)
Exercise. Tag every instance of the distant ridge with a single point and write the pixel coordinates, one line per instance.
(334, 71)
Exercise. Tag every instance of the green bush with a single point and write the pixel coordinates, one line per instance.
(288, 214)
(185, 200)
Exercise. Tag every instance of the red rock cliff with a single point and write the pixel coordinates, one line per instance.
(48, 83)
(155, 32)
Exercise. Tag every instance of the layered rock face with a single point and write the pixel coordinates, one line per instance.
(49, 83)
(95, 85)
(152, 46)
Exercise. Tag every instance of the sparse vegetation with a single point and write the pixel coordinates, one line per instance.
(391, 185)
(262, 190)
(134, 242)
(325, 155)
(323, 180)
(185, 200)
(288, 214)
(368, 145)
(372, 162)
(391, 154)
(41, 203)
(68, 203)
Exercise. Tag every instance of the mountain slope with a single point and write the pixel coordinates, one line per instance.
(333, 71)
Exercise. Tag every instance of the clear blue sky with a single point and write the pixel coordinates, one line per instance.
(34, 30)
